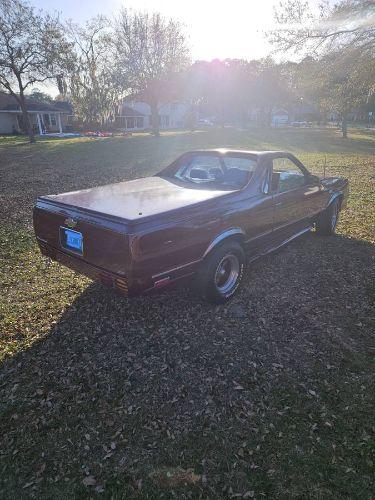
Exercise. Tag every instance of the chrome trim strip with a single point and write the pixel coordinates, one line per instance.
(175, 268)
(288, 240)
(173, 280)
(300, 233)
(285, 242)
(290, 223)
(253, 238)
(221, 237)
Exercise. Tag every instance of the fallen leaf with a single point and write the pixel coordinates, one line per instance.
(89, 481)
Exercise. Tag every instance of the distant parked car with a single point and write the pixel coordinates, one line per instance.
(300, 124)
(206, 122)
(193, 221)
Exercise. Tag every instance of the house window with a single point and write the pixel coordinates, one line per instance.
(164, 120)
(129, 122)
(53, 120)
(46, 120)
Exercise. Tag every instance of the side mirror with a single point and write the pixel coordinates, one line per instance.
(314, 179)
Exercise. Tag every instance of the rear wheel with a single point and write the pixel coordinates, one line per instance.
(221, 272)
(327, 223)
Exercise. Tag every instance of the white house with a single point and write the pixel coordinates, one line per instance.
(131, 119)
(277, 116)
(280, 117)
(44, 117)
(136, 115)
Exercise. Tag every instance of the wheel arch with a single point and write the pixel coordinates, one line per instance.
(339, 196)
(233, 234)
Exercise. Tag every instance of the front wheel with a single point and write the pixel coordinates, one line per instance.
(326, 225)
(221, 272)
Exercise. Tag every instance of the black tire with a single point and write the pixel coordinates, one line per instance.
(327, 222)
(221, 272)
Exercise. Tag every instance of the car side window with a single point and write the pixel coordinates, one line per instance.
(238, 170)
(246, 164)
(286, 175)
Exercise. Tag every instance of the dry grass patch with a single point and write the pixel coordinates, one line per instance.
(168, 397)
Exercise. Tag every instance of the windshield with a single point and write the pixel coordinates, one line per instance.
(210, 170)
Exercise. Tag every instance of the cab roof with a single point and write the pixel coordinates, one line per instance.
(225, 151)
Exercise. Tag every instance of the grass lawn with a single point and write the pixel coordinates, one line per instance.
(270, 396)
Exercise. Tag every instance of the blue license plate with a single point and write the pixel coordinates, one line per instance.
(71, 240)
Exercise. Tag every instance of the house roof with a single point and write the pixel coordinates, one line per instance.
(280, 111)
(9, 103)
(126, 111)
(64, 106)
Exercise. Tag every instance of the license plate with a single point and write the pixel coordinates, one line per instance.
(71, 240)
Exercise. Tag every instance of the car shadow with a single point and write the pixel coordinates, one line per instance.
(163, 377)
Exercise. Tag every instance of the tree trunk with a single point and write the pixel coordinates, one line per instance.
(26, 118)
(344, 126)
(22, 102)
(269, 117)
(154, 118)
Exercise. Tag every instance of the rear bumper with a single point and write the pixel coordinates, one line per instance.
(128, 288)
(108, 278)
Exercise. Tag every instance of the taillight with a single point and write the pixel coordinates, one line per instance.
(122, 285)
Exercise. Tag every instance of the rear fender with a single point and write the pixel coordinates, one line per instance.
(234, 233)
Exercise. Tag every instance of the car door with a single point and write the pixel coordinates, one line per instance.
(252, 210)
(294, 196)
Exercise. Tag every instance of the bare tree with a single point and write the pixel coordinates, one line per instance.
(91, 79)
(31, 49)
(342, 40)
(40, 96)
(348, 23)
(336, 83)
(149, 48)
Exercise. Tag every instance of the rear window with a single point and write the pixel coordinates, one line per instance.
(220, 172)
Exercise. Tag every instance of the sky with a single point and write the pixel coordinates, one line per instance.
(215, 28)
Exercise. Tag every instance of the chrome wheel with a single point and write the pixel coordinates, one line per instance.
(227, 273)
(335, 215)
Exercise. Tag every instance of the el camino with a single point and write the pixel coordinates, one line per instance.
(198, 219)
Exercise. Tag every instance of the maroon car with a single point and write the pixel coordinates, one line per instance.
(196, 219)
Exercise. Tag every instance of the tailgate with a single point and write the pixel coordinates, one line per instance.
(104, 244)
